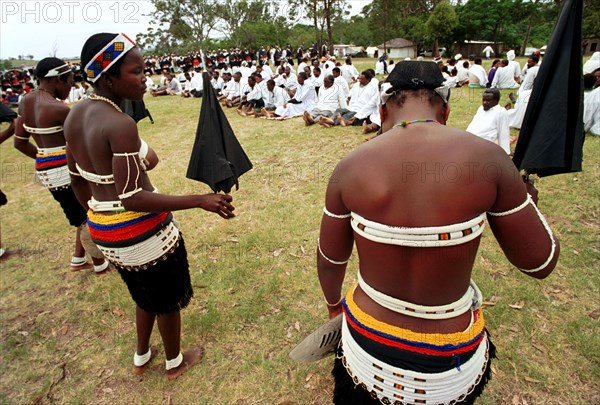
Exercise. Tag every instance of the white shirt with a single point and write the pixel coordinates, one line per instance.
(492, 125)
(488, 51)
(530, 76)
(479, 72)
(364, 99)
(379, 67)
(332, 98)
(217, 84)
(349, 73)
(504, 78)
(591, 111)
(196, 83)
(340, 81)
(277, 97)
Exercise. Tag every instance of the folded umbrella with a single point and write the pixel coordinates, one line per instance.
(217, 157)
(551, 137)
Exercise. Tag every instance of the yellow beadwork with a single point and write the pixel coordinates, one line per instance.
(432, 338)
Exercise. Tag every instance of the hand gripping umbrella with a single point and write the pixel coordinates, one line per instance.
(551, 137)
(217, 157)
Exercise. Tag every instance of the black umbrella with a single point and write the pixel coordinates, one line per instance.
(136, 109)
(6, 114)
(217, 158)
(551, 137)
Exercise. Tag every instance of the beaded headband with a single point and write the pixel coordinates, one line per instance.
(108, 56)
(387, 91)
(59, 71)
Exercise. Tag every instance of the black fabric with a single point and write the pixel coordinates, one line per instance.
(6, 114)
(3, 199)
(407, 360)
(136, 109)
(257, 103)
(74, 212)
(551, 137)
(163, 288)
(415, 75)
(345, 392)
(196, 93)
(217, 157)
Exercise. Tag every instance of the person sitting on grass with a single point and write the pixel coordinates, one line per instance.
(364, 100)
(172, 88)
(304, 100)
(129, 221)
(274, 97)
(331, 98)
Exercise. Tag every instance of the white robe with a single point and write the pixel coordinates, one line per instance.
(492, 125)
(305, 93)
(591, 111)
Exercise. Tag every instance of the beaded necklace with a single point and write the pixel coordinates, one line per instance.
(100, 98)
(47, 92)
(407, 123)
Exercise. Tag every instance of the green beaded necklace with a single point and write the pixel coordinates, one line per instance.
(407, 123)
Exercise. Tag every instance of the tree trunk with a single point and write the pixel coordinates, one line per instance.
(526, 40)
(435, 51)
(327, 13)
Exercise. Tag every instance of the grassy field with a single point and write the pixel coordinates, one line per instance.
(69, 337)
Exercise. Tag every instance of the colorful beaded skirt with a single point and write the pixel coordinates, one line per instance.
(397, 365)
(134, 240)
(51, 167)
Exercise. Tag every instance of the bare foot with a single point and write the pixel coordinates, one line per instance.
(513, 139)
(84, 266)
(190, 357)
(139, 370)
(323, 122)
(7, 254)
(308, 119)
(508, 106)
(512, 98)
(341, 120)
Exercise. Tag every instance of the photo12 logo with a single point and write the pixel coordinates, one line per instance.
(69, 11)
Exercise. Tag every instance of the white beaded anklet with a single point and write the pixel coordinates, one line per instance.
(176, 362)
(100, 268)
(78, 261)
(140, 360)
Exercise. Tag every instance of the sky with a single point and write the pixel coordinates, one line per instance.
(45, 27)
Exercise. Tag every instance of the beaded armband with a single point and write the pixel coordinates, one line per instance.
(135, 155)
(336, 216)
(528, 201)
(327, 258)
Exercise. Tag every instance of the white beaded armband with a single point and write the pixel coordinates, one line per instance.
(327, 258)
(21, 137)
(137, 189)
(512, 211)
(552, 248)
(528, 201)
(336, 216)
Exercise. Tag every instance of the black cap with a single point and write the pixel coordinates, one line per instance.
(415, 75)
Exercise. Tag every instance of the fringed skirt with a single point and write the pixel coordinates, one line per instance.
(74, 212)
(149, 253)
(382, 364)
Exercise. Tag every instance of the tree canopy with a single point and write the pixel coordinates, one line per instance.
(181, 25)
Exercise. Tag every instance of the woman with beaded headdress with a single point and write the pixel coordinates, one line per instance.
(130, 222)
(415, 201)
(41, 117)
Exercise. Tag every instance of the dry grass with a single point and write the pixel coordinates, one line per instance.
(69, 337)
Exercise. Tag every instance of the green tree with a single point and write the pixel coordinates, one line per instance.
(179, 24)
(591, 19)
(233, 14)
(441, 24)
